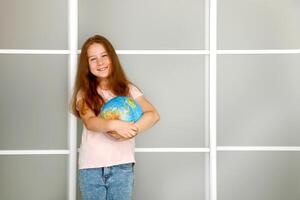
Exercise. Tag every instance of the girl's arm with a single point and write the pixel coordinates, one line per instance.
(98, 124)
(150, 115)
(91, 121)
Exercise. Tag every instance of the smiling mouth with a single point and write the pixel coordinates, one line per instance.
(102, 69)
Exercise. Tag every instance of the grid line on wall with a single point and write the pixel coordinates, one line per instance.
(206, 100)
(35, 152)
(262, 51)
(160, 150)
(34, 51)
(156, 52)
(213, 99)
(72, 122)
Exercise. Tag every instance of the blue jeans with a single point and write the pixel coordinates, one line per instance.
(107, 183)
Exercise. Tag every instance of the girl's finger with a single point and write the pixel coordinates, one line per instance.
(132, 133)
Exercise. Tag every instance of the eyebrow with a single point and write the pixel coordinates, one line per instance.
(104, 52)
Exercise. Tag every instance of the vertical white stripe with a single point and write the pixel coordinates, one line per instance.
(72, 132)
(206, 99)
(213, 98)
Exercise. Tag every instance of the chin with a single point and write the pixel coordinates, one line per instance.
(102, 77)
(105, 76)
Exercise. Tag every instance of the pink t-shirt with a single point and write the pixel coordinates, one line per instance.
(102, 150)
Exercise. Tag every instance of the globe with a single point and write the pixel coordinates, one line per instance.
(122, 108)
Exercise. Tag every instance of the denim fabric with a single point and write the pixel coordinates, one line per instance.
(107, 183)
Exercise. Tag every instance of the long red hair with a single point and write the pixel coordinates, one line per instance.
(87, 83)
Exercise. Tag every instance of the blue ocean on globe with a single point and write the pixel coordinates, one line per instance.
(122, 108)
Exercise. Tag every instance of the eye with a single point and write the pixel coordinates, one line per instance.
(105, 55)
(92, 59)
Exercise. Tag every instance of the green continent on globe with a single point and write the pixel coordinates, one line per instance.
(122, 108)
(111, 114)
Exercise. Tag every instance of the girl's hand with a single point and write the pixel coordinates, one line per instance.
(118, 137)
(115, 135)
(123, 130)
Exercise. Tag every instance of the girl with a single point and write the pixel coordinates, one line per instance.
(107, 147)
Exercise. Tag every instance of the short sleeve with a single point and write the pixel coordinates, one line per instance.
(134, 91)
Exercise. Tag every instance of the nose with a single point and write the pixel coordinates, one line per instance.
(100, 61)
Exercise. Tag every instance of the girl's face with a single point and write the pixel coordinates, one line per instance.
(99, 61)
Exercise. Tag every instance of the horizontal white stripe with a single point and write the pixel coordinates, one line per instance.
(270, 51)
(164, 52)
(170, 150)
(32, 51)
(160, 52)
(162, 150)
(33, 152)
(257, 148)
(157, 52)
